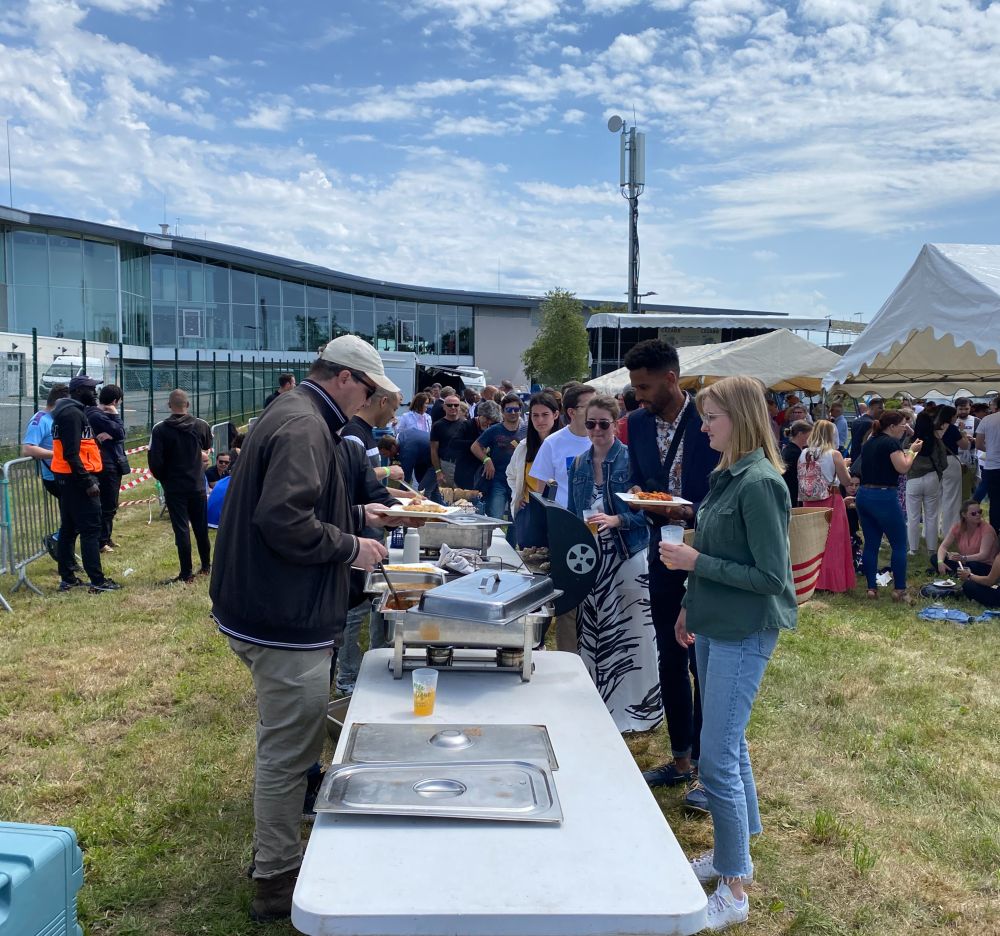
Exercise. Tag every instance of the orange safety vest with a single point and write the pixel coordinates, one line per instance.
(90, 453)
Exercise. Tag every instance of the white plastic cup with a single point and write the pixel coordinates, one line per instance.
(672, 533)
(424, 690)
(587, 514)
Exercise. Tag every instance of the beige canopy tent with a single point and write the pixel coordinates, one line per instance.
(939, 330)
(781, 359)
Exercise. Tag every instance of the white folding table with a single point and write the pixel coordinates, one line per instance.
(611, 868)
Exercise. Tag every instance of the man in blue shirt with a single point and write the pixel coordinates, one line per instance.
(37, 444)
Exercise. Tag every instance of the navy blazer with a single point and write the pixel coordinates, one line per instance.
(698, 459)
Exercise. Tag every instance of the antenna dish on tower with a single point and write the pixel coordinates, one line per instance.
(615, 123)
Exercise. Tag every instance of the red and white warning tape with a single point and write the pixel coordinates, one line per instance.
(136, 503)
(144, 475)
(141, 448)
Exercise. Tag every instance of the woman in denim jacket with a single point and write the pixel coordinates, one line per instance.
(614, 624)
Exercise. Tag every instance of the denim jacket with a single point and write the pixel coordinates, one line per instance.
(633, 534)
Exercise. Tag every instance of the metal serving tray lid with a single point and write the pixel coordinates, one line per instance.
(380, 743)
(511, 791)
(488, 597)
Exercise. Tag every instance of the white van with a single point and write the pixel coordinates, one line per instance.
(65, 367)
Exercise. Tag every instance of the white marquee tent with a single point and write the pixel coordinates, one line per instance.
(782, 360)
(938, 331)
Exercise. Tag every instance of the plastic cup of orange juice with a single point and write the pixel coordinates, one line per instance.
(424, 690)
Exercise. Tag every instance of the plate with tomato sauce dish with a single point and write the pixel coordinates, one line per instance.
(655, 499)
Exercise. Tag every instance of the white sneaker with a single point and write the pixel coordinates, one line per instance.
(724, 910)
(704, 869)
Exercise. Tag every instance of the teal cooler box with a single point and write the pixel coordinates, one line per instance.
(41, 870)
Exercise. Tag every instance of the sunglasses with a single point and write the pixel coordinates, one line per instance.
(598, 423)
(360, 378)
(452, 405)
(512, 409)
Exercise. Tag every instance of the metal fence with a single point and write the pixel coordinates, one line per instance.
(223, 386)
(30, 515)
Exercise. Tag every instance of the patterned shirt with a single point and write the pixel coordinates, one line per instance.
(664, 436)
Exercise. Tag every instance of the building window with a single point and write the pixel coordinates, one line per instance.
(341, 317)
(164, 324)
(269, 313)
(31, 258)
(163, 277)
(385, 325)
(318, 301)
(364, 315)
(65, 261)
(406, 325)
(427, 328)
(465, 330)
(293, 316)
(448, 321)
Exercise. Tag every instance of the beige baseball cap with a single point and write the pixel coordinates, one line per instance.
(353, 353)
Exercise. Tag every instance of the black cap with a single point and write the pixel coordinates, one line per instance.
(82, 382)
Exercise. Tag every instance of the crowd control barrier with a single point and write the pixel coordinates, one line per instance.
(30, 514)
(220, 438)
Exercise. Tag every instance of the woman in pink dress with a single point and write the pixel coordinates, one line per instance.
(822, 470)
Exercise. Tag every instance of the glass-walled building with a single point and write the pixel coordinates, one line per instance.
(74, 280)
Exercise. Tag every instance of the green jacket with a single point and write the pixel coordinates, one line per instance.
(742, 581)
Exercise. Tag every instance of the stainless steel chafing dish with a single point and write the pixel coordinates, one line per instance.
(484, 621)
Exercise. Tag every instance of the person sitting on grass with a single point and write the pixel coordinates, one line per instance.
(982, 588)
(971, 542)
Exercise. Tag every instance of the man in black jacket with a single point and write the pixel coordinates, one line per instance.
(798, 435)
(178, 451)
(76, 463)
(288, 537)
(669, 452)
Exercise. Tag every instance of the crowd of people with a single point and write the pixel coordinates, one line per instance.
(690, 595)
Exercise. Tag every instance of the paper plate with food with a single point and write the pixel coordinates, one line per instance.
(945, 583)
(421, 509)
(654, 499)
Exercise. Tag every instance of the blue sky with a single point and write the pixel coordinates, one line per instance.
(798, 153)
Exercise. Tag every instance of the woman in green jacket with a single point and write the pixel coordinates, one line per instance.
(739, 596)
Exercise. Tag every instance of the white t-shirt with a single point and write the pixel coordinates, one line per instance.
(553, 459)
(968, 456)
(989, 428)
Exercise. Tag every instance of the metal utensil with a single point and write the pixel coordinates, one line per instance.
(388, 583)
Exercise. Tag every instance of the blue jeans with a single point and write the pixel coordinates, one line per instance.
(349, 655)
(880, 515)
(730, 672)
(497, 501)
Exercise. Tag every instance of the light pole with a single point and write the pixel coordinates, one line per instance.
(631, 182)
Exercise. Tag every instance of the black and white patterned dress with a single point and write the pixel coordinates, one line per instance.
(616, 637)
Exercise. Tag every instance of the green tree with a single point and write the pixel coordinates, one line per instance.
(560, 350)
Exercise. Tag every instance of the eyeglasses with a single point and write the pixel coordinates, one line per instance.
(598, 423)
(974, 513)
(361, 379)
(710, 418)
(452, 405)
(512, 409)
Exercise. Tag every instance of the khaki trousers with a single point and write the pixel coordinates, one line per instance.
(293, 689)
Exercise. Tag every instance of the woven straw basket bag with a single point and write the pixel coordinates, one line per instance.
(808, 529)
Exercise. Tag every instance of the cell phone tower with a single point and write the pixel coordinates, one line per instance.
(631, 182)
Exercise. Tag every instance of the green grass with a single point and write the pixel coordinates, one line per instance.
(876, 744)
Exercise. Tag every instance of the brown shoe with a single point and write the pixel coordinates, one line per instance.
(273, 900)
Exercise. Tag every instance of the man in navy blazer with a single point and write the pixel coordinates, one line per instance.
(660, 462)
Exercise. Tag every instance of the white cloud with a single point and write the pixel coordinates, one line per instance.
(136, 7)
(628, 51)
(571, 195)
(574, 116)
(267, 117)
(608, 7)
(471, 14)
(764, 256)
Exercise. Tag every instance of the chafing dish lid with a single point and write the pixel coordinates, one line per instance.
(489, 597)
